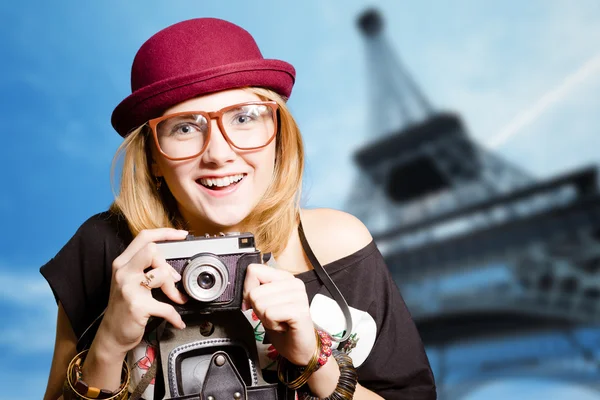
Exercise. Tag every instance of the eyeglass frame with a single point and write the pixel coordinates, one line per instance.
(214, 115)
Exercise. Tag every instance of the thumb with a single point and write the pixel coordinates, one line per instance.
(251, 281)
(256, 275)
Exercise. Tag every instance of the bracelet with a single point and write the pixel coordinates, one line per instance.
(325, 348)
(76, 389)
(318, 359)
(346, 383)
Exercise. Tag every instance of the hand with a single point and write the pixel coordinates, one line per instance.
(130, 304)
(280, 301)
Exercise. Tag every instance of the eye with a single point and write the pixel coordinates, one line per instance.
(184, 129)
(184, 126)
(242, 118)
(247, 114)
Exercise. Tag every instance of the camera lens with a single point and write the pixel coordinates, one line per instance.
(206, 280)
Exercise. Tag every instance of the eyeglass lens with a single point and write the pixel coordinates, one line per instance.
(247, 126)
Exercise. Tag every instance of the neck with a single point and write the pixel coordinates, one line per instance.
(200, 227)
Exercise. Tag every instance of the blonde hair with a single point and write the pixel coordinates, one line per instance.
(272, 220)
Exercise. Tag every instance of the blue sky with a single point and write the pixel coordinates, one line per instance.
(525, 76)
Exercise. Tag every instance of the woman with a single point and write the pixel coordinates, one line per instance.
(211, 147)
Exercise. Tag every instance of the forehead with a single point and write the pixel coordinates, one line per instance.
(214, 101)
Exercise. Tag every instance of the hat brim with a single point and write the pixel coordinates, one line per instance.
(153, 100)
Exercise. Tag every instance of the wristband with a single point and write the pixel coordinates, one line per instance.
(347, 382)
(319, 358)
(76, 389)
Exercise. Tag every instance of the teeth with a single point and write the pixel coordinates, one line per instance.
(221, 182)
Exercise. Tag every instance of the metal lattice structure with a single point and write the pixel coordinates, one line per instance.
(489, 260)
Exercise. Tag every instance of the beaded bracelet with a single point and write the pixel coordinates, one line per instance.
(76, 389)
(346, 383)
(325, 348)
(319, 358)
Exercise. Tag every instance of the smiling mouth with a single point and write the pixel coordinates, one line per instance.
(221, 183)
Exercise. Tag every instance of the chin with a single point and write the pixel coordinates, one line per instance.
(225, 223)
(226, 219)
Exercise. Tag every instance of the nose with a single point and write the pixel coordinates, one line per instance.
(218, 151)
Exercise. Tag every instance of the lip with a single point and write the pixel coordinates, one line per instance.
(223, 192)
(221, 175)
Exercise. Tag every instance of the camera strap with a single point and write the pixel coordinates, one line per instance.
(328, 283)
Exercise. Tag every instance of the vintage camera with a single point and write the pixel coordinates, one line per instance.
(212, 270)
(215, 347)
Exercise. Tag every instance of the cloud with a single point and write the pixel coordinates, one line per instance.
(496, 67)
(29, 334)
(24, 290)
(563, 139)
(529, 115)
(22, 384)
(488, 69)
(31, 310)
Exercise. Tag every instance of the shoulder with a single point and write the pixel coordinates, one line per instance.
(107, 223)
(79, 274)
(102, 232)
(334, 234)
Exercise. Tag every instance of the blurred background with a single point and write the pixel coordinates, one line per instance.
(464, 134)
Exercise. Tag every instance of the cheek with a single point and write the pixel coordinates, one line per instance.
(176, 173)
(268, 161)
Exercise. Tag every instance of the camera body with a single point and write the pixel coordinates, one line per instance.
(212, 269)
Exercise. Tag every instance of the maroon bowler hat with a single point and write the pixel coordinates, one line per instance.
(192, 58)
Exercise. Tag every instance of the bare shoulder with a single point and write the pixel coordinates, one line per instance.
(334, 234)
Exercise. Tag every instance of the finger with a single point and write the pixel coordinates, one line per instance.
(162, 277)
(145, 237)
(159, 262)
(280, 317)
(258, 274)
(166, 311)
(140, 261)
(288, 291)
(172, 292)
(155, 277)
(289, 313)
(149, 257)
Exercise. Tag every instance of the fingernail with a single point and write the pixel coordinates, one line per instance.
(182, 326)
(176, 275)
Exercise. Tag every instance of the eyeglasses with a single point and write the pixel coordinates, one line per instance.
(245, 126)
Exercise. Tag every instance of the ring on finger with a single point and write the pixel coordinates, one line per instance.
(147, 280)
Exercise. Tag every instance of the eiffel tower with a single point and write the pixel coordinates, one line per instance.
(501, 271)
